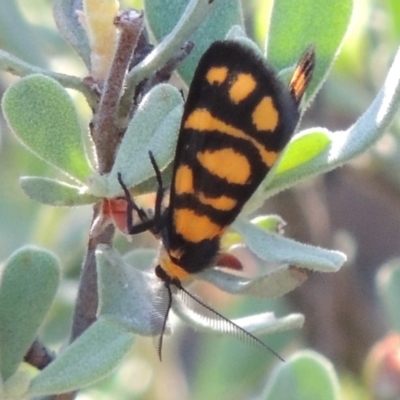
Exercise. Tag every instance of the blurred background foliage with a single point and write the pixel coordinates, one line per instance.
(354, 209)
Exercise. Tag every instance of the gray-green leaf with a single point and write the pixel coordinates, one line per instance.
(274, 248)
(95, 354)
(305, 376)
(154, 127)
(42, 115)
(54, 192)
(29, 283)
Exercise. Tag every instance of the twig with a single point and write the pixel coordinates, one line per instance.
(104, 133)
(87, 300)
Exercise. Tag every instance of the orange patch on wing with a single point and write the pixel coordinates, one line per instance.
(184, 180)
(223, 203)
(265, 116)
(243, 86)
(194, 227)
(270, 157)
(202, 120)
(226, 164)
(217, 75)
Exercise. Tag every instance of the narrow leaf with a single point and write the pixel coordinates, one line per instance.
(66, 16)
(272, 247)
(274, 283)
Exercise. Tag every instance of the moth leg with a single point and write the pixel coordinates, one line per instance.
(145, 223)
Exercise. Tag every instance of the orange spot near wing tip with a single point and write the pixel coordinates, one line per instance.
(217, 75)
(265, 116)
(243, 86)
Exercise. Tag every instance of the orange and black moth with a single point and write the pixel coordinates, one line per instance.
(237, 119)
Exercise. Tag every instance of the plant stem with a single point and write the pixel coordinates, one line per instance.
(105, 134)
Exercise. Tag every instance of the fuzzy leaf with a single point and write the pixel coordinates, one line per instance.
(126, 294)
(292, 29)
(273, 223)
(28, 286)
(304, 147)
(163, 16)
(42, 115)
(54, 192)
(154, 127)
(274, 283)
(16, 386)
(305, 376)
(272, 247)
(94, 355)
(65, 14)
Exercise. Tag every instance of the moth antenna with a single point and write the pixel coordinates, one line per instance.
(160, 332)
(234, 328)
(156, 169)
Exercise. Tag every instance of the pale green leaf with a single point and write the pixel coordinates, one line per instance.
(305, 376)
(338, 147)
(54, 192)
(163, 16)
(274, 283)
(127, 295)
(67, 19)
(43, 117)
(154, 127)
(29, 283)
(294, 27)
(91, 357)
(278, 249)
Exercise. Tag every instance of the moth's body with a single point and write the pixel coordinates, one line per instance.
(237, 119)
